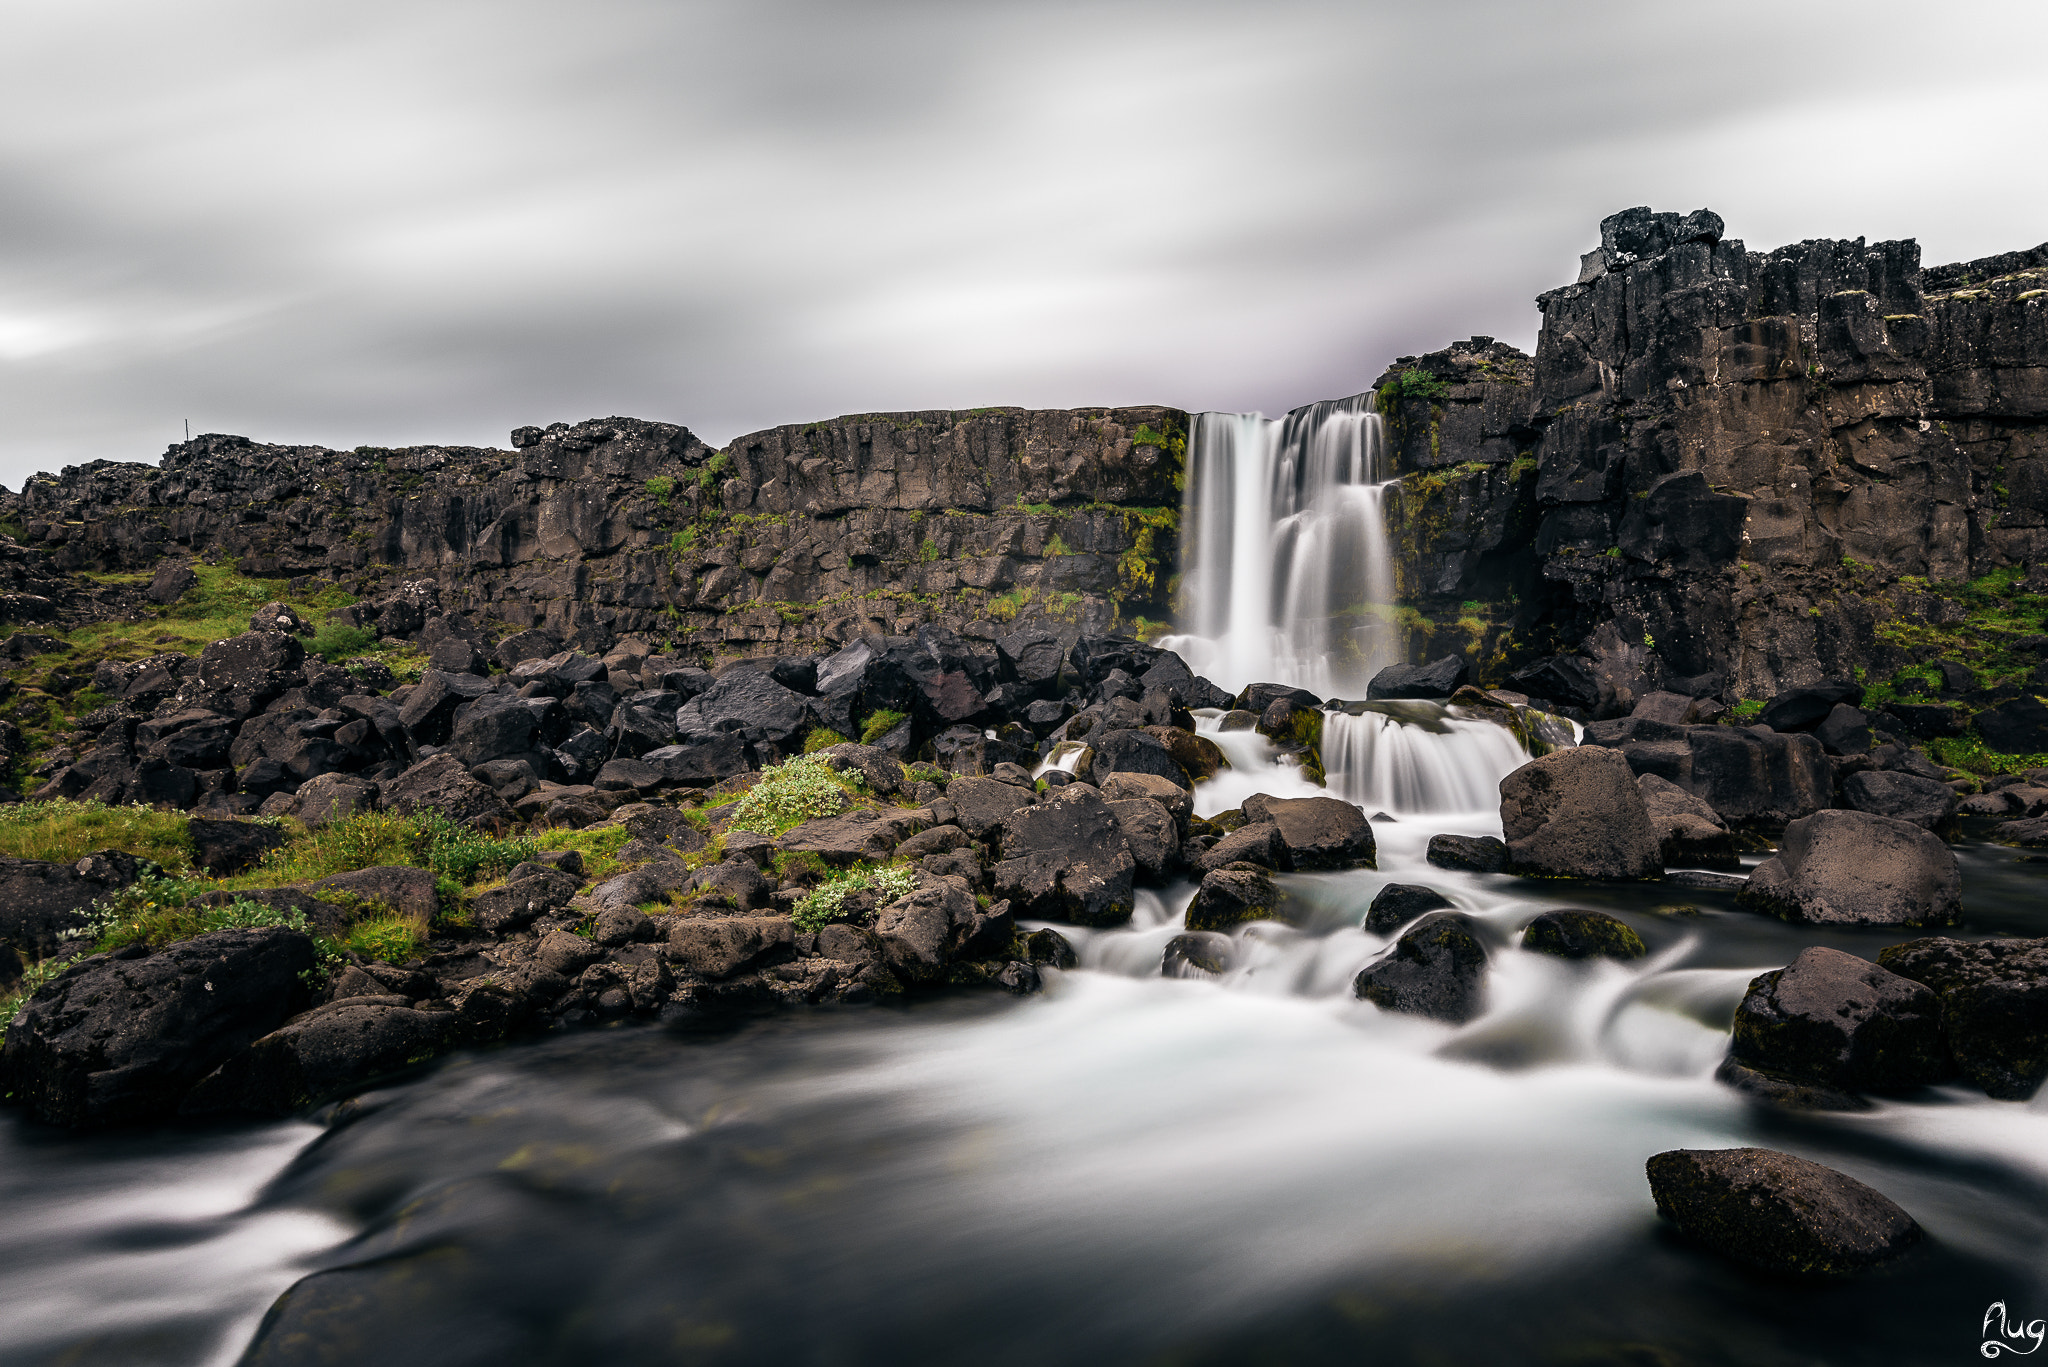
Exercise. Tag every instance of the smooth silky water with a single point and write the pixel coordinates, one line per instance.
(1129, 1168)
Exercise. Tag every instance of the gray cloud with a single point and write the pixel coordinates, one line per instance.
(390, 223)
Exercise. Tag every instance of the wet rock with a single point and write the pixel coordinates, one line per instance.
(1689, 833)
(329, 1052)
(1255, 843)
(1778, 1213)
(1926, 803)
(1856, 868)
(1178, 801)
(1234, 894)
(927, 928)
(1582, 935)
(1477, 853)
(1316, 832)
(1396, 904)
(1835, 1020)
(120, 1039)
(1578, 814)
(1256, 698)
(442, 784)
(1048, 946)
(1993, 998)
(1200, 954)
(40, 902)
(1198, 756)
(1437, 679)
(1436, 969)
(1065, 859)
(719, 946)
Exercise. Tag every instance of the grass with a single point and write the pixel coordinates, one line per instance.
(822, 738)
(61, 831)
(390, 937)
(1967, 752)
(599, 846)
(32, 981)
(1056, 547)
(1749, 709)
(880, 724)
(420, 840)
(791, 793)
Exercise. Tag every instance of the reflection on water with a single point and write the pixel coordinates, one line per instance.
(1250, 1168)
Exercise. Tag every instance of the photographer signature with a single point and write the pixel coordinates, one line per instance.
(2030, 1331)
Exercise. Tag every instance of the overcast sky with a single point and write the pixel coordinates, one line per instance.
(392, 223)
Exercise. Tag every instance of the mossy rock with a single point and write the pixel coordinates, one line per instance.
(1582, 935)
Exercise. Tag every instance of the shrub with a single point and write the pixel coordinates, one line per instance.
(32, 981)
(61, 831)
(822, 906)
(790, 793)
(420, 840)
(599, 846)
(336, 642)
(1749, 709)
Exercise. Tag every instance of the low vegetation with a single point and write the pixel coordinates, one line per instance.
(791, 793)
(826, 904)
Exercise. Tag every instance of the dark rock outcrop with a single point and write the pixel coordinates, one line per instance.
(1993, 996)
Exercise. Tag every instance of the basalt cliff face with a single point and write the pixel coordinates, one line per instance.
(1728, 472)
(989, 521)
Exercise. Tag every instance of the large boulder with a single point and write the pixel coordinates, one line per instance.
(1198, 756)
(254, 667)
(1473, 853)
(1689, 833)
(1151, 835)
(529, 892)
(1750, 776)
(225, 848)
(1927, 803)
(720, 946)
(1855, 868)
(326, 1053)
(862, 835)
(1577, 813)
(1436, 969)
(1833, 1020)
(1065, 859)
(1316, 832)
(751, 705)
(1778, 1213)
(1437, 679)
(1178, 801)
(1234, 894)
(442, 784)
(983, 804)
(1797, 709)
(1993, 996)
(40, 902)
(121, 1038)
(493, 727)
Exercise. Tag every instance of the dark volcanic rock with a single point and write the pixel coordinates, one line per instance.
(1065, 859)
(1839, 1021)
(1479, 853)
(442, 784)
(1582, 935)
(1577, 813)
(2018, 727)
(1798, 709)
(1396, 904)
(1689, 833)
(1993, 996)
(1853, 868)
(1927, 803)
(1778, 1213)
(223, 848)
(1135, 752)
(1234, 894)
(1436, 969)
(752, 706)
(117, 1040)
(40, 902)
(1316, 832)
(1437, 679)
(326, 1053)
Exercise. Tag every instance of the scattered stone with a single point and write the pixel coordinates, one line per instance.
(1778, 1213)
(1234, 894)
(1437, 679)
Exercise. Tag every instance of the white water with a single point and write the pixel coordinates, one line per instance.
(1285, 566)
(1414, 758)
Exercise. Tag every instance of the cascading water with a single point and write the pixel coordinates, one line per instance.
(1412, 758)
(1286, 573)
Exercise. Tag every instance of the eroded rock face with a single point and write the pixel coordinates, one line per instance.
(1835, 1020)
(1778, 1213)
(120, 1039)
(1578, 814)
(1854, 868)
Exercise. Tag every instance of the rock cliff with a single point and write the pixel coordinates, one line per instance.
(1730, 472)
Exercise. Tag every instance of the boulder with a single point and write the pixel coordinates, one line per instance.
(1927, 803)
(1065, 859)
(119, 1039)
(1179, 803)
(529, 892)
(1256, 698)
(1257, 843)
(170, 582)
(749, 704)
(2016, 727)
(1198, 954)
(1801, 709)
(41, 902)
(1436, 969)
(492, 727)
(1033, 659)
(442, 784)
(1437, 679)
(1834, 1020)
(225, 848)
(1150, 834)
(1396, 904)
(328, 1052)
(983, 804)
(1198, 756)
(255, 666)
(1993, 998)
(1855, 868)
(702, 763)
(720, 946)
(1778, 1213)
(1582, 935)
(1689, 833)
(1577, 813)
(1234, 894)
(1316, 832)
(1844, 731)
(1476, 853)
(408, 891)
(1135, 752)
(862, 835)
(334, 797)
(735, 883)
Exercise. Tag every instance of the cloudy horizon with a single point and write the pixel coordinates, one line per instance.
(391, 225)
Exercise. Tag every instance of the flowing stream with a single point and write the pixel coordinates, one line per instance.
(1248, 1166)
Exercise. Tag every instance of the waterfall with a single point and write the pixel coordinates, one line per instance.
(1286, 575)
(1414, 758)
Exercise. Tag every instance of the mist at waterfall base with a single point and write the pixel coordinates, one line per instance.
(1243, 1167)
